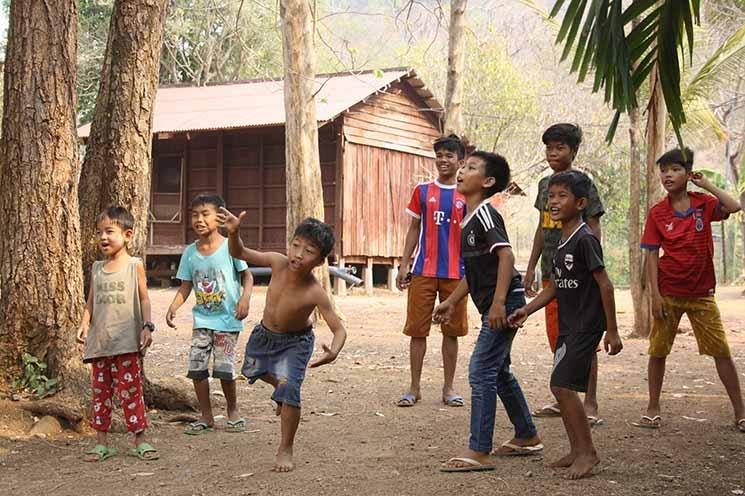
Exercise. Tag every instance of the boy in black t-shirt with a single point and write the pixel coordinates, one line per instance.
(586, 309)
(496, 290)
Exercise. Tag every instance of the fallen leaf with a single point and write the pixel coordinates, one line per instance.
(378, 414)
(144, 474)
(328, 414)
(243, 476)
(695, 419)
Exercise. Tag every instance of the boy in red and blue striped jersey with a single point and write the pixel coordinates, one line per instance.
(432, 266)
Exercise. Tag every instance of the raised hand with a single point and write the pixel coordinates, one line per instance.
(228, 220)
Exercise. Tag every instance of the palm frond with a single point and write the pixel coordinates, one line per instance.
(702, 121)
(621, 62)
(725, 64)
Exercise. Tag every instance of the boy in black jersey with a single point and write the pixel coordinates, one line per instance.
(496, 290)
(584, 293)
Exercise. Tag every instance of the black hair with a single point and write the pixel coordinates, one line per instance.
(451, 143)
(575, 181)
(119, 216)
(495, 166)
(569, 134)
(215, 200)
(318, 233)
(677, 156)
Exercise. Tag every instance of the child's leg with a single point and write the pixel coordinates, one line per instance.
(456, 327)
(290, 419)
(486, 360)
(223, 351)
(728, 375)
(449, 363)
(513, 399)
(591, 396)
(199, 358)
(101, 401)
(128, 379)
(582, 456)
(420, 302)
(228, 388)
(655, 377)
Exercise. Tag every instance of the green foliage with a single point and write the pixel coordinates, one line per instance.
(34, 380)
(622, 62)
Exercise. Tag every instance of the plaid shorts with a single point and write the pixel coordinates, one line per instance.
(221, 345)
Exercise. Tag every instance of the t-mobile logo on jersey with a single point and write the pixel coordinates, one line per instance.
(439, 216)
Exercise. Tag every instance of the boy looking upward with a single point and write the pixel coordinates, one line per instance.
(435, 268)
(587, 308)
(207, 267)
(562, 144)
(495, 288)
(682, 281)
(281, 345)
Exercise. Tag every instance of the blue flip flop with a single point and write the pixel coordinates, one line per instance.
(454, 400)
(407, 399)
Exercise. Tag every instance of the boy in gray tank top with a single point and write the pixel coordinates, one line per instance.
(116, 328)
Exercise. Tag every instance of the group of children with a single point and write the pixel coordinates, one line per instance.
(117, 330)
(478, 260)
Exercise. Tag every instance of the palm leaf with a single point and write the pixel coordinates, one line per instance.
(621, 62)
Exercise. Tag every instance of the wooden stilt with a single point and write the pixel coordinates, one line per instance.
(367, 276)
(340, 285)
(392, 274)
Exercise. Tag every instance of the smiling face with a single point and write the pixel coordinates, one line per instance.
(204, 219)
(447, 163)
(562, 204)
(559, 155)
(111, 237)
(673, 177)
(303, 255)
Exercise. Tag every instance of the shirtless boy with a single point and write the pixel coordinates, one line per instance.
(280, 346)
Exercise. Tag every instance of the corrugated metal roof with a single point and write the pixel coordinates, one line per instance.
(261, 103)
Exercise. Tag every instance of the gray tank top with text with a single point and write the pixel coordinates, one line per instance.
(116, 322)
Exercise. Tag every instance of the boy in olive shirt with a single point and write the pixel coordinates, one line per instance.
(562, 143)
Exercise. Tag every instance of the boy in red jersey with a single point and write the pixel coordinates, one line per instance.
(683, 279)
(435, 268)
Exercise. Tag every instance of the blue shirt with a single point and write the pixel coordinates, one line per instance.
(217, 287)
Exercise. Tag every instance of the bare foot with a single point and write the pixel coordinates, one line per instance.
(563, 462)
(591, 409)
(481, 457)
(582, 466)
(283, 462)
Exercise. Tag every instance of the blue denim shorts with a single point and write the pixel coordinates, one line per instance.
(282, 355)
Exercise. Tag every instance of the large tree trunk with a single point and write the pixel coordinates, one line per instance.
(456, 61)
(655, 137)
(40, 276)
(636, 268)
(302, 163)
(117, 166)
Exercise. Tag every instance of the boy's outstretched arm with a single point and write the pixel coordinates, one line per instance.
(337, 329)
(535, 254)
(146, 335)
(729, 204)
(244, 302)
(409, 245)
(442, 312)
(235, 244)
(612, 341)
(519, 316)
(181, 295)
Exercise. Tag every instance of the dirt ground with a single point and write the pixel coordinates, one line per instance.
(354, 440)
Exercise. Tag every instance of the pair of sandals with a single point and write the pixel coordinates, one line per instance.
(553, 411)
(143, 451)
(409, 399)
(471, 465)
(655, 422)
(201, 427)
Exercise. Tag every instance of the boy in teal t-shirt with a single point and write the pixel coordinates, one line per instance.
(217, 278)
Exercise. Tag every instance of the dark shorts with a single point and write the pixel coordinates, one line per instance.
(282, 355)
(573, 360)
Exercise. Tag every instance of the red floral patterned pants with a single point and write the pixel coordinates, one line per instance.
(120, 373)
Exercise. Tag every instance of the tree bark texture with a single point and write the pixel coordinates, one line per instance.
(302, 162)
(636, 268)
(40, 276)
(456, 62)
(117, 166)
